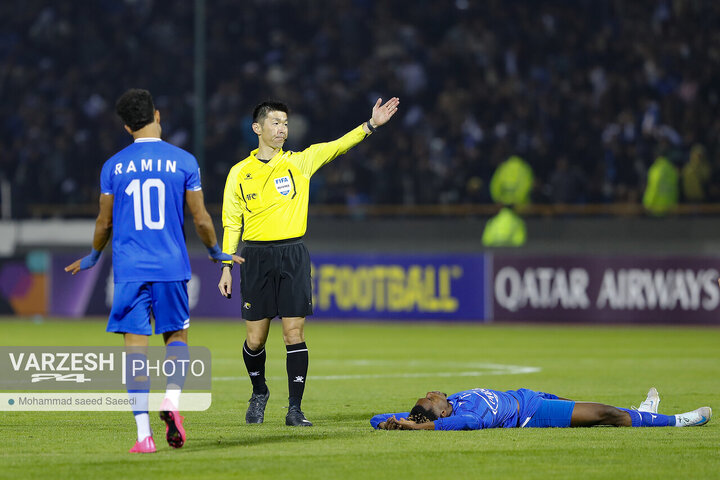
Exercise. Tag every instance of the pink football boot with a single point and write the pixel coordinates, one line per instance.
(174, 431)
(146, 446)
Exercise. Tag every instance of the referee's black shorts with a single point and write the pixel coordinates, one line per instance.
(275, 280)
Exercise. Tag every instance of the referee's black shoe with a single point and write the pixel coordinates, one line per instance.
(296, 418)
(256, 410)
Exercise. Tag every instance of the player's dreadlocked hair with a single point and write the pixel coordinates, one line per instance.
(136, 108)
(261, 111)
(421, 415)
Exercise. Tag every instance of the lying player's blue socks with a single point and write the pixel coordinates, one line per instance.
(647, 419)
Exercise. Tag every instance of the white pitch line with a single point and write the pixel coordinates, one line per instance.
(497, 370)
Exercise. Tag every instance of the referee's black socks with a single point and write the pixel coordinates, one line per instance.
(255, 364)
(297, 367)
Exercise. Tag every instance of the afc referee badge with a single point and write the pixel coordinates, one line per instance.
(283, 185)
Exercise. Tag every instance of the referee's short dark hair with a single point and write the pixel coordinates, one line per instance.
(136, 108)
(261, 110)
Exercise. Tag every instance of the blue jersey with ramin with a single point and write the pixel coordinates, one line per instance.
(148, 180)
(482, 408)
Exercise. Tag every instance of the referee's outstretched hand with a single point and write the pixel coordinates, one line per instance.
(382, 114)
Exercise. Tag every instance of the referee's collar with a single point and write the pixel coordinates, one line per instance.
(254, 154)
(147, 139)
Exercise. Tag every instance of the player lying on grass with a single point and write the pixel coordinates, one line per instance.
(482, 408)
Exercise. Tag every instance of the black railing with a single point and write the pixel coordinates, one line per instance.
(461, 210)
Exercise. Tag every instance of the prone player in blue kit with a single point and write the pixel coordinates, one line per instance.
(482, 408)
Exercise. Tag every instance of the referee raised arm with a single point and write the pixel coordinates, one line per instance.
(266, 202)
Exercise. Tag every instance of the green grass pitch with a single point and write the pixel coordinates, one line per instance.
(359, 369)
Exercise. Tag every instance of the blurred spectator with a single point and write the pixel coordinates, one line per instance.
(566, 183)
(696, 174)
(714, 184)
(604, 84)
(506, 229)
(661, 193)
(512, 182)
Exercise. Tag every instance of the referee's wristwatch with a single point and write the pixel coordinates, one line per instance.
(226, 265)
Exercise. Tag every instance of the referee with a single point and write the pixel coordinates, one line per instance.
(266, 203)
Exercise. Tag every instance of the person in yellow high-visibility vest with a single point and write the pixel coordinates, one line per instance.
(512, 182)
(506, 229)
(661, 192)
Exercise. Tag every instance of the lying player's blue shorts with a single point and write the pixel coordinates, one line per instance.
(134, 302)
(552, 413)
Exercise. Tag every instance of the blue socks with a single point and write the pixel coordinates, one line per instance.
(138, 388)
(176, 365)
(138, 385)
(179, 354)
(647, 419)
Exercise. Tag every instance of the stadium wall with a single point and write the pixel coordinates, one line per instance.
(679, 235)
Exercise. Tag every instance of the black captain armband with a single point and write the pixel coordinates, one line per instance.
(370, 127)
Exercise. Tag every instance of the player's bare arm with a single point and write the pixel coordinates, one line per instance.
(393, 423)
(405, 424)
(103, 231)
(389, 424)
(381, 114)
(204, 225)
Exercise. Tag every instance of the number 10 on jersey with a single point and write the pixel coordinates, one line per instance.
(142, 206)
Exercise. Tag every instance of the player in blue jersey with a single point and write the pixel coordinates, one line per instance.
(482, 408)
(144, 189)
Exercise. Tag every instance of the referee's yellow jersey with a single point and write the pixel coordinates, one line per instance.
(269, 201)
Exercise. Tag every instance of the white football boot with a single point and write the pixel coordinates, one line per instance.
(651, 402)
(698, 417)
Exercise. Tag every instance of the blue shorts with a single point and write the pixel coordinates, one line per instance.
(134, 303)
(552, 413)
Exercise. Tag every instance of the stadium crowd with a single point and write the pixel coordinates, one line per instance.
(588, 92)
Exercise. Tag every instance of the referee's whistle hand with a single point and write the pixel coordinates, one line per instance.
(225, 284)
